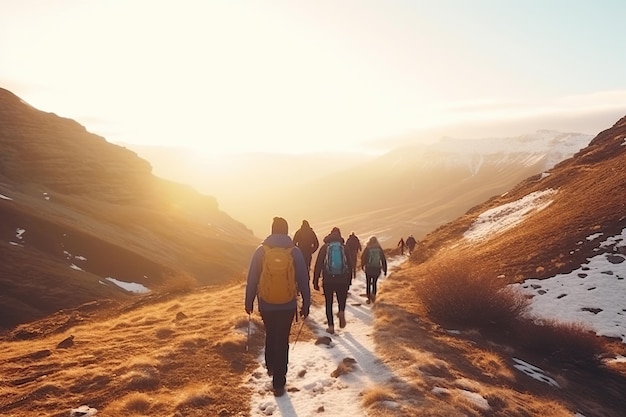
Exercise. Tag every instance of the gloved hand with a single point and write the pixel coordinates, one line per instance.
(304, 312)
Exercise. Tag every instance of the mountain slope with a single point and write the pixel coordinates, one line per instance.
(409, 190)
(584, 201)
(547, 225)
(78, 213)
(416, 189)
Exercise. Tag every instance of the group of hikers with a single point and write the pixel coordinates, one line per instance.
(280, 268)
(410, 244)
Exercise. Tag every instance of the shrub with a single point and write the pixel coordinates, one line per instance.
(572, 343)
(177, 284)
(377, 394)
(141, 378)
(455, 295)
(197, 397)
(137, 402)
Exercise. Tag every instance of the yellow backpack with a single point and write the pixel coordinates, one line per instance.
(277, 284)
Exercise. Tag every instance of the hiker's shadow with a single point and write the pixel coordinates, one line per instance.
(361, 313)
(286, 406)
(365, 358)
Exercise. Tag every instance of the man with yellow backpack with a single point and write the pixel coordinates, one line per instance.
(277, 274)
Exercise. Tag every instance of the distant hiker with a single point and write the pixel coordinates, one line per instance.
(353, 246)
(373, 261)
(306, 239)
(334, 267)
(410, 243)
(401, 246)
(276, 274)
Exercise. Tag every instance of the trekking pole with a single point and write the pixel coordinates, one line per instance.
(298, 334)
(248, 338)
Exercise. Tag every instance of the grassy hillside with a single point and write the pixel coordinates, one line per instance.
(77, 210)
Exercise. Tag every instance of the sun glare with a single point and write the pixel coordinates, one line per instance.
(277, 77)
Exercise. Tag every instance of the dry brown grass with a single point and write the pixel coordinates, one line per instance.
(453, 294)
(572, 343)
(377, 394)
(441, 367)
(144, 361)
(182, 355)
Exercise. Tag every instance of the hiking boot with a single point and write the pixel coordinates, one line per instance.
(331, 330)
(368, 300)
(373, 297)
(278, 392)
(342, 319)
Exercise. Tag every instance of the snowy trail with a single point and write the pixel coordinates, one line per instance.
(311, 388)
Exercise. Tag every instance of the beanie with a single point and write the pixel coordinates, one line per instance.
(335, 231)
(279, 226)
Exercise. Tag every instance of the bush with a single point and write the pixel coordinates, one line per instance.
(572, 343)
(177, 284)
(455, 295)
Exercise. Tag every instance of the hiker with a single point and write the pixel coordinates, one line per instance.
(334, 267)
(277, 303)
(353, 247)
(410, 243)
(306, 239)
(373, 261)
(401, 246)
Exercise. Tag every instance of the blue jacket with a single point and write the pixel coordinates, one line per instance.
(254, 274)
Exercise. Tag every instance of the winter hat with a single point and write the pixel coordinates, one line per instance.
(335, 231)
(279, 226)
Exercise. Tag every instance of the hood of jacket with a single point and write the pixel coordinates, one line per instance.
(333, 237)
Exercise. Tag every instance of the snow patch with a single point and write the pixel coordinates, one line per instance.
(594, 236)
(475, 398)
(129, 286)
(83, 411)
(593, 295)
(534, 372)
(506, 216)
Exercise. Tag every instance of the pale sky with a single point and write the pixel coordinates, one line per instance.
(300, 76)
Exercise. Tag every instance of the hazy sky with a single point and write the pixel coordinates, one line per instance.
(317, 75)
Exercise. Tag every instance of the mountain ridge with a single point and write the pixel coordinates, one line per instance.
(374, 188)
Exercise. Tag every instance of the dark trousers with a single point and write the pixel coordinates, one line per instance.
(371, 277)
(307, 259)
(330, 289)
(352, 260)
(277, 327)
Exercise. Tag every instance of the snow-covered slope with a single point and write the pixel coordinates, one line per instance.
(544, 147)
